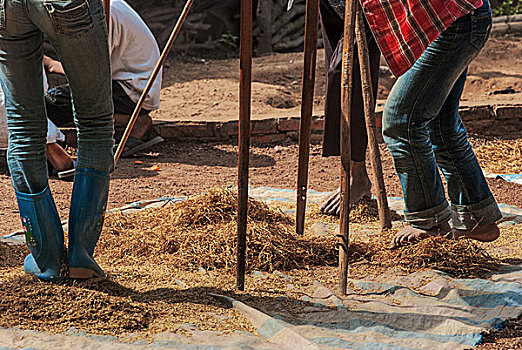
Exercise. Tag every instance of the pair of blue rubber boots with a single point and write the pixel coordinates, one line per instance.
(44, 233)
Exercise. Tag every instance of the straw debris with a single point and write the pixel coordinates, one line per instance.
(56, 308)
(364, 211)
(11, 256)
(201, 232)
(461, 258)
(501, 156)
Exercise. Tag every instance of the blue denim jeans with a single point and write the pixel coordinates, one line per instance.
(424, 132)
(76, 29)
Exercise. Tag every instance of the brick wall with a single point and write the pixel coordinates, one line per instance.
(494, 121)
(497, 121)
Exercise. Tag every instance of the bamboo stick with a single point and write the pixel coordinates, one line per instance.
(310, 53)
(346, 107)
(369, 116)
(152, 78)
(245, 79)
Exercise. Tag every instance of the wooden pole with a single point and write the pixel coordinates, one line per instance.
(369, 116)
(245, 79)
(307, 103)
(346, 107)
(152, 78)
(107, 8)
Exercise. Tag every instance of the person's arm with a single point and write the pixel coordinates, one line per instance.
(53, 66)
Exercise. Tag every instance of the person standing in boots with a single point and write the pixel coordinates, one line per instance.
(77, 30)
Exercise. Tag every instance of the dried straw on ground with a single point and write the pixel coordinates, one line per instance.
(201, 232)
(501, 156)
(10, 256)
(460, 258)
(153, 285)
(362, 212)
(56, 308)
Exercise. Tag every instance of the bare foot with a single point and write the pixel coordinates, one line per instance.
(359, 187)
(486, 233)
(412, 234)
(332, 205)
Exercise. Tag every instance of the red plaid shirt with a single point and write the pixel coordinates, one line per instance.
(403, 29)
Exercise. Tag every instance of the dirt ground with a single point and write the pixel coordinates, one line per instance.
(197, 89)
(194, 89)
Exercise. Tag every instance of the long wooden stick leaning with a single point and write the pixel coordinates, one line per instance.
(369, 116)
(107, 8)
(152, 78)
(245, 79)
(307, 102)
(346, 156)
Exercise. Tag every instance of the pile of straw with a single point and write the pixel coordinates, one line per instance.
(501, 156)
(55, 308)
(364, 211)
(201, 232)
(458, 257)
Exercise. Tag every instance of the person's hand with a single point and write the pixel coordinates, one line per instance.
(53, 66)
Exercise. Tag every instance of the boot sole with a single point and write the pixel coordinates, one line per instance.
(82, 273)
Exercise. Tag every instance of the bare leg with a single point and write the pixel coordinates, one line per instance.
(142, 125)
(58, 157)
(360, 187)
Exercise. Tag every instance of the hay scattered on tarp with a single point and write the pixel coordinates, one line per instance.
(461, 258)
(501, 156)
(30, 304)
(508, 246)
(154, 285)
(363, 211)
(201, 232)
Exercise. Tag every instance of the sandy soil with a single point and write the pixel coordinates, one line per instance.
(207, 90)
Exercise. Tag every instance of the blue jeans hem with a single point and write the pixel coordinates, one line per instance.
(429, 218)
(466, 217)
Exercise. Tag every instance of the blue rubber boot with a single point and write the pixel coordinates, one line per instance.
(88, 201)
(43, 234)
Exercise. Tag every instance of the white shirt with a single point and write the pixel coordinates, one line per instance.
(53, 133)
(134, 54)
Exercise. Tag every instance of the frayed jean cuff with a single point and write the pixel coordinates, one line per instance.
(466, 217)
(429, 218)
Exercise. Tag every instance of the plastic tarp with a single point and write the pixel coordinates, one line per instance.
(424, 310)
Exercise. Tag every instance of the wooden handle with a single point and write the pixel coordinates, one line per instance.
(346, 156)
(245, 79)
(107, 8)
(371, 126)
(307, 103)
(152, 78)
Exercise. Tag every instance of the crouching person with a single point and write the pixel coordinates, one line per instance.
(77, 30)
